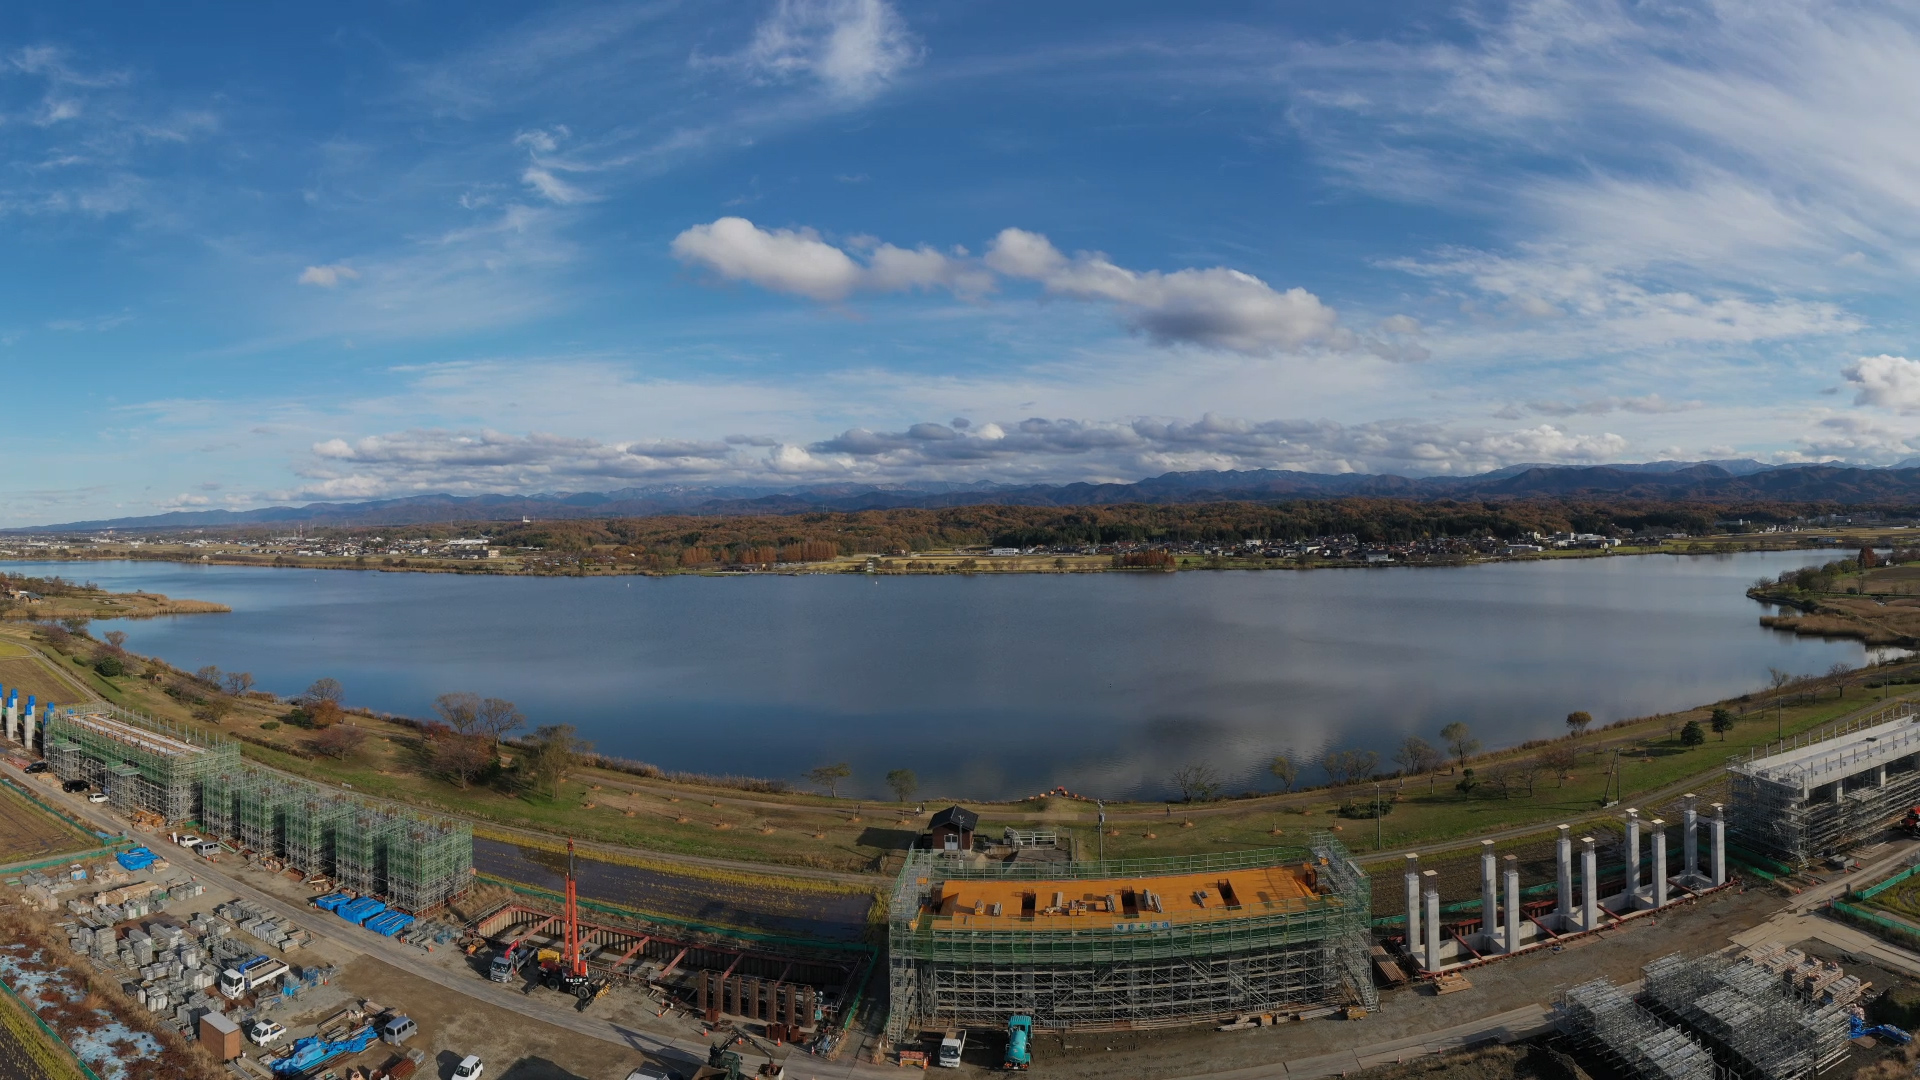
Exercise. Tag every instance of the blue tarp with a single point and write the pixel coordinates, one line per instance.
(390, 923)
(332, 901)
(360, 910)
(310, 1052)
(137, 859)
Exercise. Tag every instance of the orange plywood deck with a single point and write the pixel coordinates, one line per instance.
(1232, 894)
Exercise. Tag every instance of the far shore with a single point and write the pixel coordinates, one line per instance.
(534, 563)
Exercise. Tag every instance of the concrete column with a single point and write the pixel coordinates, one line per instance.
(1719, 828)
(1432, 926)
(1589, 886)
(1563, 861)
(1880, 776)
(1513, 902)
(1839, 791)
(27, 734)
(13, 716)
(6, 717)
(1489, 891)
(1413, 903)
(1659, 838)
(1689, 838)
(1633, 855)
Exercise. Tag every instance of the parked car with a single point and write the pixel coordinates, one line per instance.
(266, 1032)
(188, 840)
(650, 1071)
(469, 1068)
(208, 848)
(38, 767)
(74, 785)
(97, 797)
(398, 1030)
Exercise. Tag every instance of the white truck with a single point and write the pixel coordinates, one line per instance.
(252, 975)
(950, 1048)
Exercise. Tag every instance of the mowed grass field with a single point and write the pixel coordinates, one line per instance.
(29, 675)
(26, 1052)
(28, 833)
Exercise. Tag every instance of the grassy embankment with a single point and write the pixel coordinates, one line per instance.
(687, 818)
(1878, 606)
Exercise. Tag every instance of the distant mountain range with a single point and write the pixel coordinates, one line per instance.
(1737, 480)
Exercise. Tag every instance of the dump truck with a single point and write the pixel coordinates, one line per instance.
(951, 1047)
(252, 975)
(1019, 1035)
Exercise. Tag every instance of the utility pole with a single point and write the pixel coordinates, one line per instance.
(1103, 828)
(1376, 815)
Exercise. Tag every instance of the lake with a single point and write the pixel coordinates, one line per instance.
(990, 687)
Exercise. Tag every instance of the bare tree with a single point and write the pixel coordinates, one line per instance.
(209, 675)
(1284, 769)
(1560, 759)
(116, 640)
(1842, 674)
(830, 777)
(1526, 772)
(463, 757)
(339, 741)
(239, 682)
(1415, 756)
(553, 753)
(1197, 782)
(1459, 739)
(328, 689)
(459, 710)
(496, 717)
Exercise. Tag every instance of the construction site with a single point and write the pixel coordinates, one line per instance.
(1768, 1012)
(1127, 944)
(171, 775)
(1816, 794)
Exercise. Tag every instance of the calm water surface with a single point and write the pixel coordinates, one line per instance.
(990, 686)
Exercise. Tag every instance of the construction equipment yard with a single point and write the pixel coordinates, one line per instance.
(1097, 954)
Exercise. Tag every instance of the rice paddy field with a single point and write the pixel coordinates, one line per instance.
(30, 675)
(26, 1051)
(28, 833)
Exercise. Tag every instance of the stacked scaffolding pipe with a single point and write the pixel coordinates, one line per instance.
(1749, 1011)
(1599, 1015)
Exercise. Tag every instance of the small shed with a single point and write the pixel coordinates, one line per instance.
(952, 829)
(220, 1035)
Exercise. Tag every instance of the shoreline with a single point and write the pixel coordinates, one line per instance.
(945, 563)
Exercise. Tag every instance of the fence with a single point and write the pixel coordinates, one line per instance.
(51, 1034)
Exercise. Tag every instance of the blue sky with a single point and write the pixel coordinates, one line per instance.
(267, 253)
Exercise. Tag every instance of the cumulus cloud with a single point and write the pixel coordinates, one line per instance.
(328, 276)
(1891, 382)
(851, 48)
(1216, 308)
(799, 262)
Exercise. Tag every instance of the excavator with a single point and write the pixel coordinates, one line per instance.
(568, 972)
(1911, 823)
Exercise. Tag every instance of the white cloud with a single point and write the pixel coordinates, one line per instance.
(328, 276)
(1891, 382)
(552, 187)
(1215, 308)
(852, 48)
(1645, 405)
(783, 260)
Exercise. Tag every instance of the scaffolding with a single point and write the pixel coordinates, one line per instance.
(1610, 1026)
(1751, 1013)
(1814, 794)
(141, 763)
(428, 862)
(310, 822)
(1141, 963)
(414, 860)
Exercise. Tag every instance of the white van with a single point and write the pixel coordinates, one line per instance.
(469, 1068)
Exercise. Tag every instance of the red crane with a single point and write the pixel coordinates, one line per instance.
(576, 964)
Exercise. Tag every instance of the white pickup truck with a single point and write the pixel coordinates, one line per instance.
(950, 1048)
